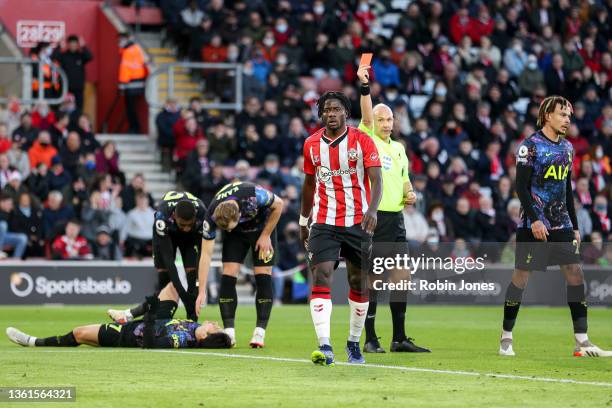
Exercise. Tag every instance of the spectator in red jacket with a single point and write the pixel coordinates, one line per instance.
(483, 26)
(591, 57)
(215, 51)
(461, 24)
(71, 245)
(5, 139)
(42, 117)
(187, 137)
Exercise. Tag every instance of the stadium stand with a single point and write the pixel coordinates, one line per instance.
(464, 80)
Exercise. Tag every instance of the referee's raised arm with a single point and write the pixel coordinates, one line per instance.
(365, 101)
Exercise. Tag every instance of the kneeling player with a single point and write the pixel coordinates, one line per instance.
(156, 330)
(178, 225)
(549, 233)
(248, 214)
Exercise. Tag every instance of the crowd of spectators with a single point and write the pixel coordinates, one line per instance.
(62, 193)
(464, 80)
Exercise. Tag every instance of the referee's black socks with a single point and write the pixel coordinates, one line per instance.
(397, 304)
(228, 300)
(514, 295)
(67, 340)
(263, 299)
(371, 316)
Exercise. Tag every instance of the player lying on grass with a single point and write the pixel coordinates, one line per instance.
(156, 330)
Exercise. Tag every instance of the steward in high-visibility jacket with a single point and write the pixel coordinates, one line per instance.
(132, 67)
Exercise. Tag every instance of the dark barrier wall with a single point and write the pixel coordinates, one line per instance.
(129, 282)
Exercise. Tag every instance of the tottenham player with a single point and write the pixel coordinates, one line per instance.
(178, 224)
(548, 234)
(377, 122)
(248, 214)
(340, 163)
(158, 329)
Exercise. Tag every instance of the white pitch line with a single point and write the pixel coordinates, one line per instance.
(383, 366)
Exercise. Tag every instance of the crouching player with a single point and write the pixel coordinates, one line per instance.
(248, 214)
(156, 330)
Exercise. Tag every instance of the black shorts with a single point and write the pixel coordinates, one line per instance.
(561, 248)
(109, 334)
(389, 227)
(116, 335)
(329, 243)
(189, 246)
(237, 244)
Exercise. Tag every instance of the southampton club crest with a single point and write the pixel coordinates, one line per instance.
(352, 155)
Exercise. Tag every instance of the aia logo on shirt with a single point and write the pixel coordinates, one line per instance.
(352, 155)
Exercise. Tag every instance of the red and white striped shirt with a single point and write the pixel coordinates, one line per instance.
(342, 185)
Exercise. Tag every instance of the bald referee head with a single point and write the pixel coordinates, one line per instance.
(383, 121)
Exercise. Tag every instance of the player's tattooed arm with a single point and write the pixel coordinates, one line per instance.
(368, 223)
(203, 268)
(523, 181)
(308, 190)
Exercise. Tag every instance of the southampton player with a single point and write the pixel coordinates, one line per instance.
(158, 329)
(340, 162)
(397, 192)
(548, 234)
(178, 224)
(248, 214)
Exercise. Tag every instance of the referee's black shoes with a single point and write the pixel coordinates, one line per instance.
(373, 346)
(407, 346)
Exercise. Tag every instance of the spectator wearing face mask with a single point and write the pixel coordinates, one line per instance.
(438, 220)
(600, 215)
(272, 175)
(531, 77)
(515, 59)
(42, 117)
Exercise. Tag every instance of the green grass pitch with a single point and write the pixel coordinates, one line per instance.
(463, 370)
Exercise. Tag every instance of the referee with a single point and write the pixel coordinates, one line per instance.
(377, 122)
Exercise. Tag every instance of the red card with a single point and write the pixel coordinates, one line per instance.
(366, 59)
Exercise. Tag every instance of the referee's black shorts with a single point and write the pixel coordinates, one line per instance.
(561, 248)
(329, 243)
(389, 227)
